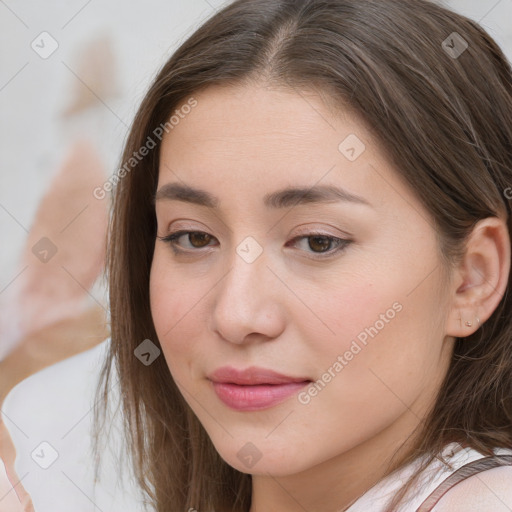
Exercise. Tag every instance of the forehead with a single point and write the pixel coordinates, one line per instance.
(256, 114)
(258, 138)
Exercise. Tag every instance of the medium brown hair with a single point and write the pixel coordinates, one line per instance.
(445, 122)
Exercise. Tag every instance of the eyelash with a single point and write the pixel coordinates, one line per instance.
(342, 243)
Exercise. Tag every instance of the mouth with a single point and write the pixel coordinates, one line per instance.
(254, 388)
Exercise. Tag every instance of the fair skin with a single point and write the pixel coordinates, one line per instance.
(293, 314)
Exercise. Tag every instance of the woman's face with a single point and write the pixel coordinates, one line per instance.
(337, 287)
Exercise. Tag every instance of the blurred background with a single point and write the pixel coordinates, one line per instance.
(72, 75)
(71, 70)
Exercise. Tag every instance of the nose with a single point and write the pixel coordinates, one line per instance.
(248, 305)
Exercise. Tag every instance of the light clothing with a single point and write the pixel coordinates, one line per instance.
(454, 455)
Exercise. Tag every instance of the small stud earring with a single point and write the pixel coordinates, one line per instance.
(469, 324)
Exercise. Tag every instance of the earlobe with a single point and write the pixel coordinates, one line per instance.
(481, 277)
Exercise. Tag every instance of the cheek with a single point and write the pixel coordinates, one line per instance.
(175, 309)
(355, 313)
(384, 336)
(372, 372)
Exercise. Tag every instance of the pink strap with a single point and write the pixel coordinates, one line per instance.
(461, 474)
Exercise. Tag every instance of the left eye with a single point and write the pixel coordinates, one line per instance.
(317, 243)
(323, 244)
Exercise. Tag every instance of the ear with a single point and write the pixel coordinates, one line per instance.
(481, 278)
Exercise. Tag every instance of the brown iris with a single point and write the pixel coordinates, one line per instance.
(320, 242)
(200, 238)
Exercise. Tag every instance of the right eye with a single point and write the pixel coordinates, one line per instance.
(196, 240)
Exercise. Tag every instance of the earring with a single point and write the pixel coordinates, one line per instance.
(470, 324)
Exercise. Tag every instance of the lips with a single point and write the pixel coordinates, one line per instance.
(254, 388)
(252, 376)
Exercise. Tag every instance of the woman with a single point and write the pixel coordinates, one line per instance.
(309, 264)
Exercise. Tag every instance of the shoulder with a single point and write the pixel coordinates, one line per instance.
(488, 491)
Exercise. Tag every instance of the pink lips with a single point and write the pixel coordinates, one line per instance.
(254, 388)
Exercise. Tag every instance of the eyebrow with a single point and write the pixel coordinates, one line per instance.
(283, 198)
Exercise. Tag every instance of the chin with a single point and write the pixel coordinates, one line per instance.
(263, 460)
